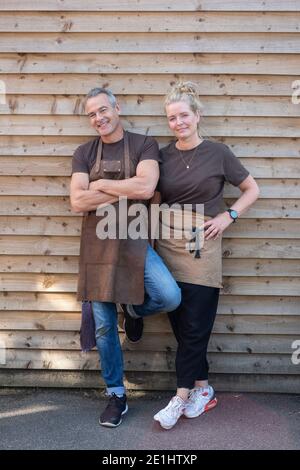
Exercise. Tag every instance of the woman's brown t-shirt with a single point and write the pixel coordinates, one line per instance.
(210, 165)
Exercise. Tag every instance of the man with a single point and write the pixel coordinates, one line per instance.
(116, 270)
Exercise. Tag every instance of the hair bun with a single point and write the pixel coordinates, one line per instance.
(187, 87)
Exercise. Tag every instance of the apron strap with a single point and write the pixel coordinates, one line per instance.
(126, 156)
(99, 156)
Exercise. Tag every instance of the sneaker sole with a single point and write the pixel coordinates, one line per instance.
(163, 426)
(209, 406)
(111, 425)
(128, 339)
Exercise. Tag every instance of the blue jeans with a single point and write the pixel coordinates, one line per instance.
(161, 294)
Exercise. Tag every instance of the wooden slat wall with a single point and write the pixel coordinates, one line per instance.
(245, 58)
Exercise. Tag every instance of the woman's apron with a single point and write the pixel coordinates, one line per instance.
(188, 256)
(111, 270)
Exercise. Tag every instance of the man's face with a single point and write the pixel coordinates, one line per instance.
(104, 117)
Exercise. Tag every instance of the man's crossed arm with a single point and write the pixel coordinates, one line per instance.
(87, 196)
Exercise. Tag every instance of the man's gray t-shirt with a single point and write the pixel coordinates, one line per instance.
(141, 147)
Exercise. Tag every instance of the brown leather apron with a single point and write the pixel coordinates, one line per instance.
(202, 264)
(111, 270)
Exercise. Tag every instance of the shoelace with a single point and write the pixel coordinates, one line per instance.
(113, 400)
(173, 407)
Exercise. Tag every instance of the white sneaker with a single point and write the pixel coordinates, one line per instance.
(168, 416)
(200, 400)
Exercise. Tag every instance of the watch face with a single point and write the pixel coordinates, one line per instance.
(233, 214)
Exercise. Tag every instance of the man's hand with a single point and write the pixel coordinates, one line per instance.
(85, 199)
(141, 186)
(95, 185)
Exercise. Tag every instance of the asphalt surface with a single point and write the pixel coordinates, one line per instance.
(68, 419)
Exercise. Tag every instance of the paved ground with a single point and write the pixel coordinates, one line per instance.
(68, 419)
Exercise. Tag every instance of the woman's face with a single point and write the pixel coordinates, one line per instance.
(182, 120)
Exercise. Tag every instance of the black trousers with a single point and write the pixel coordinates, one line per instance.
(192, 323)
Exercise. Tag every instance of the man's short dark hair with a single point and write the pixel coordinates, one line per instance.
(98, 91)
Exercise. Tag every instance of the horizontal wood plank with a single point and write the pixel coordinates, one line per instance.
(261, 267)
(227, 343)
(219, 126)
(60, 206)
(61, 264)
(18, 225)
(277, 178)
(69, 246)
(261, 286)
(31, 205)
(250, 147)
(23, 307)
(35, 166)
(261, 228)
(69, 264)
(145, 21)
(272, 208)
(131, 42)
(46, 282)
(139, 361)
(38, 185)
(269, 188)
(71, 226)
(147, 5)
(147, 105)
(65, 246)
(263, 248)
(183, 63)
(157, 324)
(153, 84)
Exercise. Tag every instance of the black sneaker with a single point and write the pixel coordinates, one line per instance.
(116, 408)
(133, 327)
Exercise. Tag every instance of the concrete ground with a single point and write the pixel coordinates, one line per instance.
(68, 419)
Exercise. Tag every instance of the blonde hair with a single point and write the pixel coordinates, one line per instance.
(188, 92)
(185, 91)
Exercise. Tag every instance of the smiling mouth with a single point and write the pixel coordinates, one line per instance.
(103, 124)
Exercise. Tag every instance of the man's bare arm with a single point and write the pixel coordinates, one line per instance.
(141, 186)
(84, 199)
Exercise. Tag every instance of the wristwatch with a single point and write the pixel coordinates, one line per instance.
(233, 214)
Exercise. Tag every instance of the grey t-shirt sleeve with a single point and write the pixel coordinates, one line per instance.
(79, 162)
(234, 171)
(150, 150)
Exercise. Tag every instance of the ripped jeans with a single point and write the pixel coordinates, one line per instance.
(161, 294)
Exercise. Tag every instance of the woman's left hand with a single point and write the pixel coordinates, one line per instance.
(214, 228)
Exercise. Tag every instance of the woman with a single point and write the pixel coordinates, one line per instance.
(193, 171)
